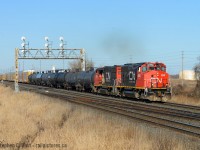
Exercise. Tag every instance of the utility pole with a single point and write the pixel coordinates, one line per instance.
(16, 70)
(182, 53)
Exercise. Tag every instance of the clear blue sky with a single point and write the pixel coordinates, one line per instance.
(111, 31)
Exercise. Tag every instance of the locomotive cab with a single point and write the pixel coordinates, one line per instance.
(155, 81)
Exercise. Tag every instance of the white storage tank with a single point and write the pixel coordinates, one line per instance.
(53, 69)
(187, 75)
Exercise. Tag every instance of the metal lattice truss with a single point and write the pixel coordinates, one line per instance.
(51, 54)
(47, 53)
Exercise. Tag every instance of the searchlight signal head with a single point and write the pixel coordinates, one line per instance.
(46, 38)
(61, 39)
(23, 38)
(46, 45)
(23, 45)
(61, 45)
(23, 51)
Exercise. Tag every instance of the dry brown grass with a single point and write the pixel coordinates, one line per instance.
(183, 99)
(184, 94)
(30, 118)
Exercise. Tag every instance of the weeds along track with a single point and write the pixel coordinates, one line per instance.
(181, 118)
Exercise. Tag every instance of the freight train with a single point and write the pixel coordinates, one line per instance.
(22, 76)
(146, 80)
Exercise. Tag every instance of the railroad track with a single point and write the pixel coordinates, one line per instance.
(181, 118)
(192, 108)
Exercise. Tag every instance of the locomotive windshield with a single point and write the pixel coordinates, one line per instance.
(159, 67)
(156, 67)
(151, 67)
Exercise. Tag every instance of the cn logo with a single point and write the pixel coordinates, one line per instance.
(156, 80)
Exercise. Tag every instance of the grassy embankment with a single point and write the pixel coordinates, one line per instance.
(30, 118)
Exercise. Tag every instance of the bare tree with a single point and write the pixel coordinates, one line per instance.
(197, 74)
(197, 69)
(76, 64)
(89, 64)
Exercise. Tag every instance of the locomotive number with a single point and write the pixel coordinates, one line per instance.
(163, 75)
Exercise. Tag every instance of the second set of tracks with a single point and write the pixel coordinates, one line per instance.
(181, 118)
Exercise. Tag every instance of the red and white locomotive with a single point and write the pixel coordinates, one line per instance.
(145, 80)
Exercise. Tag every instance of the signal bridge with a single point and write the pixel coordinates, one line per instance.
(47, 53)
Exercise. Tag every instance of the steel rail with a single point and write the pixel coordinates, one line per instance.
(183, 106)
